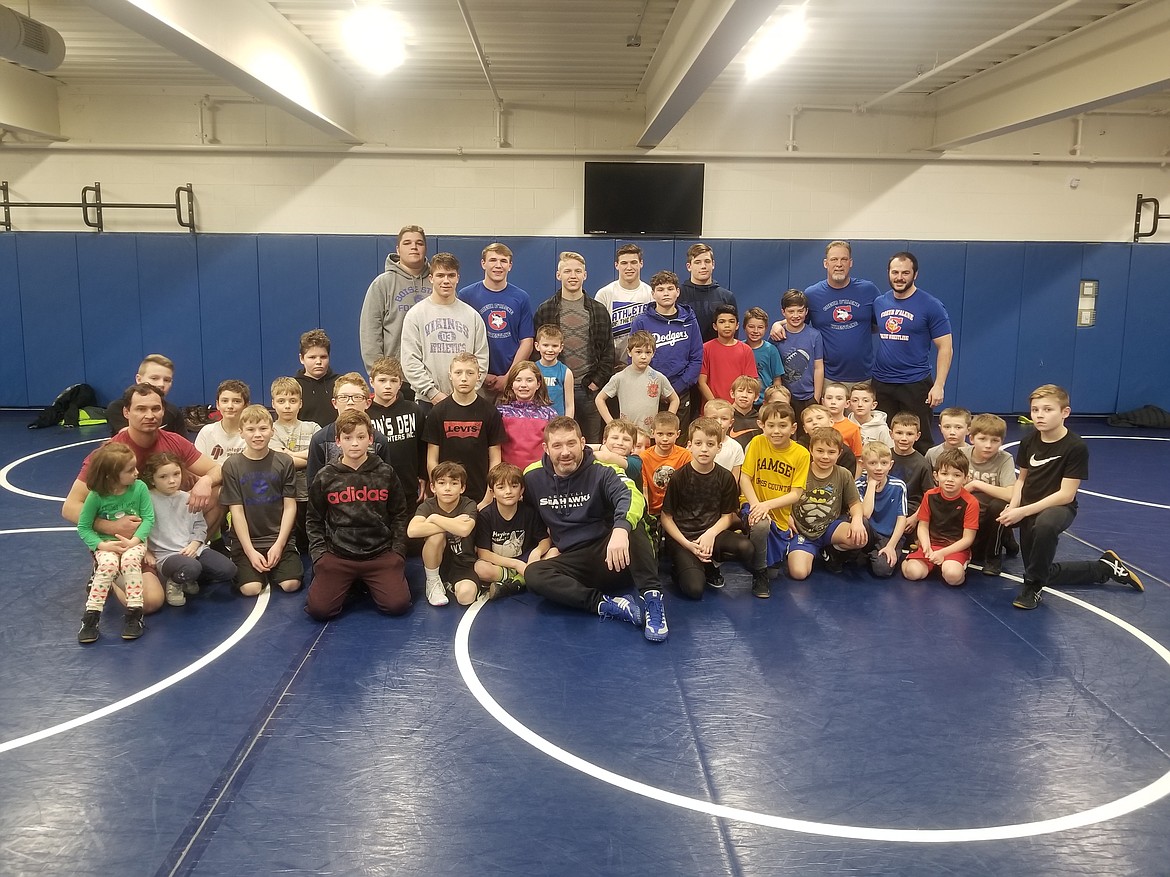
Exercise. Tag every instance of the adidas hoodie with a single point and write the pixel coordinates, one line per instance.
(356, 513)
(584, 506)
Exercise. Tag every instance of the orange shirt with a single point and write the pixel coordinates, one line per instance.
(656, 472)
(851, 432)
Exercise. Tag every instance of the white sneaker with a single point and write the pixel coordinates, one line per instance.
(175, 595)
(436, 593)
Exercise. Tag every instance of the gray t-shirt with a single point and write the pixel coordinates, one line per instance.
(260, 486)
(999, 471)
(638, 394)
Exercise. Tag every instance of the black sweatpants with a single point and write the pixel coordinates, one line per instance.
(894, 398)
(563, 578)
(691, 573)
(1039, 534)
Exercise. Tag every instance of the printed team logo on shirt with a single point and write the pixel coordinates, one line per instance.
(463, 428)
(497, 320)
(652, 391)
(893, 324)
(843, 314)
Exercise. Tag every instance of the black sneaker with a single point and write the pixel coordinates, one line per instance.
(715, 578)
(834, 563)
(761, 587)
(132, 626)
(1121, 573)
(1010, 545)
(1028, 598)
(993, 565)
(512, 585)
(89, 626)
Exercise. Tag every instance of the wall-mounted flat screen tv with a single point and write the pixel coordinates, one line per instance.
(631, 198)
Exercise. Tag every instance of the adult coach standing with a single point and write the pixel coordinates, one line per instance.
(406, 281)
(909, 322)
(594, 517)
(840, 307)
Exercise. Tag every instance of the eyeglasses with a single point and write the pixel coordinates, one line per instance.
(350, 397)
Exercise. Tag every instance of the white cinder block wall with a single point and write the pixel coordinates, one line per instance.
(848, 175)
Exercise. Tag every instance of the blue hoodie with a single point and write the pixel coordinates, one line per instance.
(584, 506)
(678, 345)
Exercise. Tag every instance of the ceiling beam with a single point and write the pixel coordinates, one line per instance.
(250, 45)
(1116, 58)
(28, 103)
(702, 38)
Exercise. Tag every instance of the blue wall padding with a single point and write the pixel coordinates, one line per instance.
(345, 266)
(168, 285)
(108, 277)
(763, 267)
(50, 304)
(289, 303)
(990, 320)
(1097, 363)
(229, 311)
(13, 377)
(1145, 353)
(86, 307)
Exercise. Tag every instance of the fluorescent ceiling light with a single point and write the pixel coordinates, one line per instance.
(374, 38)
(776, 42)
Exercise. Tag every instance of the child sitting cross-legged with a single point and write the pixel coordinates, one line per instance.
(509, 534)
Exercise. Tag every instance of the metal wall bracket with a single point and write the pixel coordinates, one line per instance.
(92, 207)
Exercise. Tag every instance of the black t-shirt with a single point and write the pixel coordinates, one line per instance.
(1049, 463)
(514, 538)
(463, 434)
(457, 546)
(915, 471)
(402, 424)
(696, 500)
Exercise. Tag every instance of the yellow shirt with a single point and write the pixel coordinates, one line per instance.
(775, 472)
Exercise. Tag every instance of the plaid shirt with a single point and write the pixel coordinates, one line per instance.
(600, 337)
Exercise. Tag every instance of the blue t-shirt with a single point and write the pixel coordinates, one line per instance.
(907, 328)
(554, 382)
(800, 351)
(844, 317)
(508, 317)
(769, 366)
(889, 502)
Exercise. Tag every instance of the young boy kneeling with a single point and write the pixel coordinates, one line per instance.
(509, 534)
(446, 523)
(947, 522)
(829, 493)
(356, 522)
(699, 509)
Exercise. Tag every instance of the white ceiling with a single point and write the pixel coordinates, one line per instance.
(857, 50)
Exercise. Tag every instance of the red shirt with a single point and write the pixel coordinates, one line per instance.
(723, 363)
(166, 442)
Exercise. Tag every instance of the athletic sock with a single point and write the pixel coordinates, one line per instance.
(432, 576)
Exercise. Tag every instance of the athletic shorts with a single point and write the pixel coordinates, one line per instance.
(958, 557)
(814, 546)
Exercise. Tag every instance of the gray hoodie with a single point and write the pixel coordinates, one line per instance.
(388, 299)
